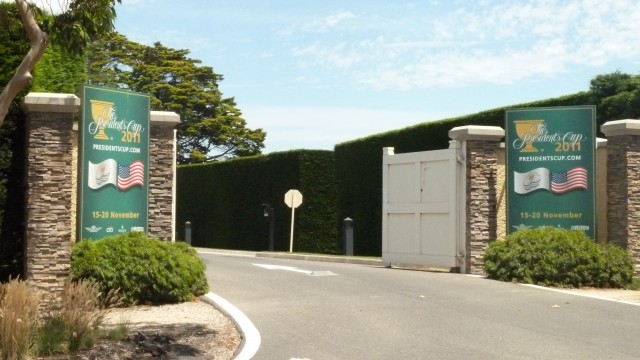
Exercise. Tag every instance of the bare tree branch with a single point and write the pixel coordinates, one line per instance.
(23, 77)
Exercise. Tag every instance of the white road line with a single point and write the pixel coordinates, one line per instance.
(295, 269)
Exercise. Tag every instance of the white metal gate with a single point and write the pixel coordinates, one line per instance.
(423, 203)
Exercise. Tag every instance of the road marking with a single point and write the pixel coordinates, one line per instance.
(295, 269)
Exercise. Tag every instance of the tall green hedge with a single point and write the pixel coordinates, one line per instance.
(223, 201)
(359, 165)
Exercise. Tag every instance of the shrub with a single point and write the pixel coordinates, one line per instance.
(617, 267)
(145, 270)
(18, 312)
(557, 257)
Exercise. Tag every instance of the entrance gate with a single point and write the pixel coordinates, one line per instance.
(423, 203)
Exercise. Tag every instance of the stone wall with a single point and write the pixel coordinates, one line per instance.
(623, 173)
(49, 189)
(482, 146)
(623, 159)
(482, 171)
(161, 174)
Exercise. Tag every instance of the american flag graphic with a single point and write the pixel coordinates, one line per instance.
(130, 175)
(564, 181)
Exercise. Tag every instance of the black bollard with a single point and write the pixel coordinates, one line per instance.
(348, 236)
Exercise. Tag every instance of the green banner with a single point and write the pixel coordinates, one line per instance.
(113, 162)
(550, 167)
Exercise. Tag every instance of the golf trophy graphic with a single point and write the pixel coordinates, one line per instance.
(102, 112)
(527, 130)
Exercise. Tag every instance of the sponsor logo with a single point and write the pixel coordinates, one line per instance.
(93, 229)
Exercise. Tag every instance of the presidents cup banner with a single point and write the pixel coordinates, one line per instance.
(114, 162)
(550, 167)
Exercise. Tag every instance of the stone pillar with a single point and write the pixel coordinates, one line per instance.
(623, 185)
(480, 145)
(601, 191)
(161, 174)
(49, 189)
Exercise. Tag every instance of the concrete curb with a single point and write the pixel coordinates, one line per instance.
(323, 258)
(358, 260)
(250, 335)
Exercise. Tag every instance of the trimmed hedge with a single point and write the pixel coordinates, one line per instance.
(557, 257)
(223, 201)
(145, 270)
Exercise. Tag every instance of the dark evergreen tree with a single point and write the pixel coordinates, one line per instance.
(211, 126)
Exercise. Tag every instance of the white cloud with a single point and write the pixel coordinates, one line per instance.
(490, 43)
(333, 20)
(337, 55)
(327, 22)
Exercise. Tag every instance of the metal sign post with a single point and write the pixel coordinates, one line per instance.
(293, 199)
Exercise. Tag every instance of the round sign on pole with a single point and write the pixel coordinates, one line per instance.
(293, 198)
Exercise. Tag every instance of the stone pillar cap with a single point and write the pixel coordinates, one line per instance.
(50, 102)
(621, 127)
(164, 118)
(476, 132)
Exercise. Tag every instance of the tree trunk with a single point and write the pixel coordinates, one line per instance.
(22, 78)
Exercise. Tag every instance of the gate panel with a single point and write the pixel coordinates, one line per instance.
(401, 230)
(421, 208)
(435, 235)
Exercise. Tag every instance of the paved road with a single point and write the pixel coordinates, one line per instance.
(366, 312)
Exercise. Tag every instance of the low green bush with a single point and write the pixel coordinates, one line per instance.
(50, 337)
(557, 257)
(634, 285)
(144, 270)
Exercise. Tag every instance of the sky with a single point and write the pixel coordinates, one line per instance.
(313, 73)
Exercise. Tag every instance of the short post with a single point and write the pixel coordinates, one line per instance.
(269, 212)
(187, 232)
(348, 236)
